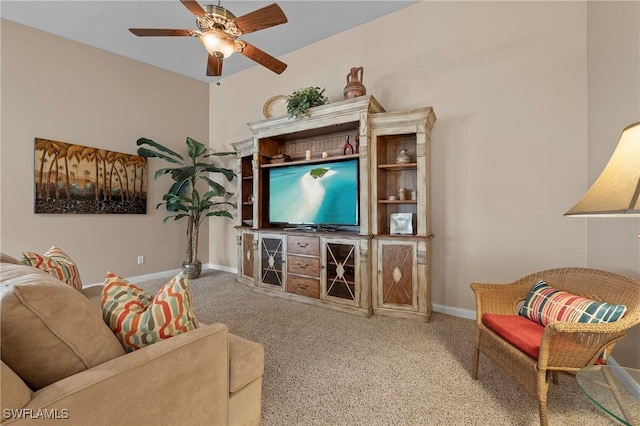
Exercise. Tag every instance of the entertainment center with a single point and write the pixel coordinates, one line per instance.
(334, 208)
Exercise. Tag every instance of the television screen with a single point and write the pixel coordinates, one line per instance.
(314, 194)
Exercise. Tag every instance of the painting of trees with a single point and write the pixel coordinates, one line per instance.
(78, 179)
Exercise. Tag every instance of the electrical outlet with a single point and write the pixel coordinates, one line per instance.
(140, 260)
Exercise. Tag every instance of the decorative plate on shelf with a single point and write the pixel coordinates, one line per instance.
(275, 106)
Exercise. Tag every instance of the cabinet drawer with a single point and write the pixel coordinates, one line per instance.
(303, 245)
(303, 286)
(303, 265)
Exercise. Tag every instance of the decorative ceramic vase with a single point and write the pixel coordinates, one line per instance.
(347, 148)
(402, 194)
(403, 157)
(193, 270)
(354, 87)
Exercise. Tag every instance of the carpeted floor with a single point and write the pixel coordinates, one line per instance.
(323, 367)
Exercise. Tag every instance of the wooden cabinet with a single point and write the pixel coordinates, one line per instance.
(390, 134)
(403, 278)
(397, 275)
(320, 270)
(246, 256)
(272, 260)
(380, 266)
(402, 258)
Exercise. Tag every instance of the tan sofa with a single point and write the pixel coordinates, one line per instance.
(62, 364)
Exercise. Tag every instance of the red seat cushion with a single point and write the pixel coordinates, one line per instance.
(521, 332)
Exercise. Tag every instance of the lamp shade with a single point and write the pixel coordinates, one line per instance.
(616, 191)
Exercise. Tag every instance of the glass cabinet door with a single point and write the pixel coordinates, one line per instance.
(341, 271)
(271, 260)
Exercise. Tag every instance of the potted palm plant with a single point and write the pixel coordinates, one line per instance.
(184, 200)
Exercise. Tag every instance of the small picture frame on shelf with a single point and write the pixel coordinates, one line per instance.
(401, 224)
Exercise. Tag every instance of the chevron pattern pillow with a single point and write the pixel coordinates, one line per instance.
(139, 319)
(546, 304)
(57, 263)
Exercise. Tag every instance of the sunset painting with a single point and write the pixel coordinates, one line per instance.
(76, 179)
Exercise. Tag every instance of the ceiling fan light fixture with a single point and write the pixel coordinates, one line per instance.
(218, 43)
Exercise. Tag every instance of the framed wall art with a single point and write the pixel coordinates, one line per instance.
(76, 179)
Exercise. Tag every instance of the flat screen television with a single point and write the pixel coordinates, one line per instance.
(322, 193)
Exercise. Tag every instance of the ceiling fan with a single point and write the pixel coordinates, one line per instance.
(219, 29)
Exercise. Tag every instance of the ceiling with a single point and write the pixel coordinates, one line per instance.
(105, 24)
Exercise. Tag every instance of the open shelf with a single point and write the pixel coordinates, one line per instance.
(398, 201)
(392, 177)
(398, 166)
(312, 161)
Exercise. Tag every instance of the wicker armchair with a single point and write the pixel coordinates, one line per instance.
(564, 346)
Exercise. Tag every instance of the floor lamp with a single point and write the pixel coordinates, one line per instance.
(616, 193)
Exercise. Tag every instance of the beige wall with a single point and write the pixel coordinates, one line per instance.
(61, 90)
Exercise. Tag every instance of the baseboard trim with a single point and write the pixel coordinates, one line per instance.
(221, 268)
(456, 312)
(146, 277)
(142, 278)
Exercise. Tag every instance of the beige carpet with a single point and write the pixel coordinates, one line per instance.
(323, 367)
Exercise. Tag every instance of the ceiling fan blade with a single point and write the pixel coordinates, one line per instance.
(194, 7)
(158, 32)
(263, 58)
(214, 66)
(260, 19)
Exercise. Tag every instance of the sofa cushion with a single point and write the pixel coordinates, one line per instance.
(48, 330)
(246, 362)
(545, 304)
(57, 263)
(15, 393)
(521, 332)
(139, 319)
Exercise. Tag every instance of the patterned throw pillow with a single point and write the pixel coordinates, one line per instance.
(546, 304)
(139, 319)
(57, 263)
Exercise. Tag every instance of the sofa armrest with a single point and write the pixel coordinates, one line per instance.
(181, 380)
